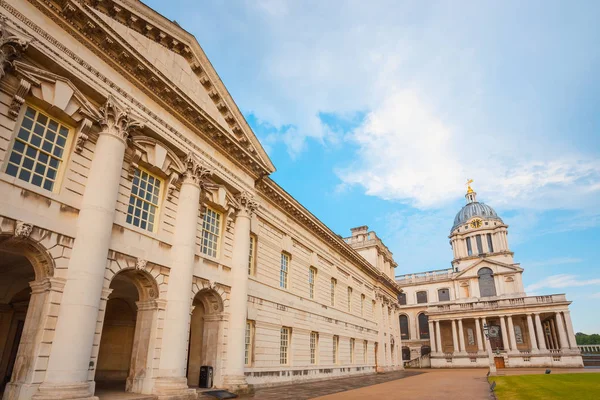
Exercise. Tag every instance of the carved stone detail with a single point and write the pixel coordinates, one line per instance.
(18, 99)
(140, 263)
(12, 46)
(247, 202)
(195, 171)
(134, 163)
(23, 230)
(82, 134)
(117, 120)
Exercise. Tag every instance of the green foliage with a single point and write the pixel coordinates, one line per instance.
(582, 338)
(583, 386)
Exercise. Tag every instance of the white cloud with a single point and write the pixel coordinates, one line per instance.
(561, 281)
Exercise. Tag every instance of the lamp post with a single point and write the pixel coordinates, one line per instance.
(486, 331)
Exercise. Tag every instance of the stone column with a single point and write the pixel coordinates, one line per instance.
(172, 379)
(461, 336)
(234, 378)
(570, 333)
(381, 357)
(540, 333)
(488, 343)
(562, 335)
(504, 333)
(511, 333)
(438, 337)
(67, 375)
(531, 329)
(432, 337)
(478, 333)
(454, 337)
(553, 336)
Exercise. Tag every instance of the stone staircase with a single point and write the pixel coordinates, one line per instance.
(419, 362)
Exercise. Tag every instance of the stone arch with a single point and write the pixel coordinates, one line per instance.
(404, 327)
(150, 278)
(423, 324)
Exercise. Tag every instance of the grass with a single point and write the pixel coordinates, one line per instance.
(547, 387)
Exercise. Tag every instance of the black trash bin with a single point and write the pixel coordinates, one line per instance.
(206, 376)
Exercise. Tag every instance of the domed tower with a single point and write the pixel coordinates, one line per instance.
(478, 232)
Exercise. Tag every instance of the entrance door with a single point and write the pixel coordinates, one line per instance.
(499, 361)
(496, 337)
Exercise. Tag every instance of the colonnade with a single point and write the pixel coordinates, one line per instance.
(555, 333)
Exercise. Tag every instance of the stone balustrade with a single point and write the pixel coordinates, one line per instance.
(524, 301)
(589, 348)
(429, 276)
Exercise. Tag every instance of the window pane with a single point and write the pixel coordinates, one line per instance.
(140, 206)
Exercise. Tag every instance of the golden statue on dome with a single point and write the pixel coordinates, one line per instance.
(469, 189)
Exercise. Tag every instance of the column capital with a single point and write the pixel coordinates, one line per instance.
(12, 46)
(117, 120)
(247, 205)
(195, 172)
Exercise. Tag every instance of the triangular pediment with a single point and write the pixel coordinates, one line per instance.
(497, 266)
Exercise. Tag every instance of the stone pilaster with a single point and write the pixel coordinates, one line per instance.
(69, 362)
(570, 332)
(171, 381)
(432, 337)
(505, 333)
(234, 378)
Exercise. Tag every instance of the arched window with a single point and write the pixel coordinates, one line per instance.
(404, 332)
(444, 294)
(402, 299)
(421, 297)
(405, 353)
(423, 326)
(487, 287)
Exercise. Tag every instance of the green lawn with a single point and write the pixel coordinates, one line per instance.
(546, 387)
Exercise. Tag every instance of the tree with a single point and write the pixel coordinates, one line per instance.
(583, 338)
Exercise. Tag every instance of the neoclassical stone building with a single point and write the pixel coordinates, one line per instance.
(444, 312)
(140, 234)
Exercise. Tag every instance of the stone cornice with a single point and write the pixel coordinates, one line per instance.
(78, 19)
(270, 190)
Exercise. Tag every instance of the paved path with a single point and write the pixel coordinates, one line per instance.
(310, 390)
(434, 384)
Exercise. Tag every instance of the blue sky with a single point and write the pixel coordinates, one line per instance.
(375, 113)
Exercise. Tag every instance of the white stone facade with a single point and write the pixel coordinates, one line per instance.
(140, 234)
(444, 312)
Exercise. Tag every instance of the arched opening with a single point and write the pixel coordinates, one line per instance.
(24, 296)
(404, 331)
(405, 353)
(425, 350)
(124, 356)
(487, 288)
(206, 331)
(423, 326)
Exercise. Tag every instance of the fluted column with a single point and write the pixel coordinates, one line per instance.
(570, 332)
(238, 302)
(511, 334)
(454, 337)
(540, 332)
(531, 329)
(504, 334)
(432, 337)
(69, 362)
(172, 366)
(562, 335)
(438, 337)
(461, 336)
(478, 333)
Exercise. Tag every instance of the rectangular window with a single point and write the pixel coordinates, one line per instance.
(284, 345)
(443, 294)
(402, 299)
(479, 244)
(365, 351)
(143, 200)
(469, 248)
(312, 276)
(252, 256)
(283, 272)
(38, 149)
(333, 285)
(211, 232)
(248, 342)
(490, 243)
(349, 299)
(336, 344)
(362, 304)
(421, 297)
(314, 345)
(351, 351)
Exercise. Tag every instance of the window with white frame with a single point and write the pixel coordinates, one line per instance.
(284, 345)
(314, 346)
(349, 299)
(312, 277)
(211, 232)
(333, 285)
(362, 304)
(252, 256)
(144, 200)
(283, 272)
(38, 150)
(336, 345)
(351, 350)
(365, 351)
(248, 342)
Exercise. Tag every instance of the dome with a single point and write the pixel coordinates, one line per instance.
(475, 209)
